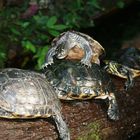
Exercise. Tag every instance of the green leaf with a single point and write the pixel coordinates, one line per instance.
(16, 32)
(41, 55)
(42, 51)
(25, 24)
(54, 32)
(120, 4)
(41, 20)
(40, 61)
(60, 27)
(43, 36)
(95, 3)
(79, 2)
(2, 55)
(51, 21)
(29, 46)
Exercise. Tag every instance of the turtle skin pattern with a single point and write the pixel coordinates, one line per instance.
(72, 80)
(27, 94)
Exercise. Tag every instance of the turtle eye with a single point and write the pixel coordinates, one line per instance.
(122, 70)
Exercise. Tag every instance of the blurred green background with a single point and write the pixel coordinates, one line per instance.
(27, 27)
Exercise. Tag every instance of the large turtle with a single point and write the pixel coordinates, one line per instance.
(65, 42)
(126, 64)
(26, 94)
(75, 81)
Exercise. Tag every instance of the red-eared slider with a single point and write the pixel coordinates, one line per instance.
(25, 94)
(62, 44)
(75, 81)
(125, 65)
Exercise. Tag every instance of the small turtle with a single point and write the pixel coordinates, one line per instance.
(62, 45)
(75, 81)
(25, 94)
(126, 65)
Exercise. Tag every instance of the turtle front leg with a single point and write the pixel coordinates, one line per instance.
(86, 60)
(129, 83)
(49, 57)
(128, 75)
(61, 127)
(113, 111)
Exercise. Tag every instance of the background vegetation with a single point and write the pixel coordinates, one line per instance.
(31, 37)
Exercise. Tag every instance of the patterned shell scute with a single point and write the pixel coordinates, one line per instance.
(69, 76)
(27, 93)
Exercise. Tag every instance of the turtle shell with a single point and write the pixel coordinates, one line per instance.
(25, 94)
(75, 81)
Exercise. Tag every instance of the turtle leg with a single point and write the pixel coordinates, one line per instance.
(49, 57)
(129, 83)
(61, 127)
(128, 75)
(86, 60)
(112, 112)
(5, 114)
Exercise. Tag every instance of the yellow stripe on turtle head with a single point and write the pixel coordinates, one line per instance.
(113, 68)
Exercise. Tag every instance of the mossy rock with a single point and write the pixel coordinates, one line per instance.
(93, 132)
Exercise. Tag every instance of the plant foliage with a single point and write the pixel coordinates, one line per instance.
(34, 34)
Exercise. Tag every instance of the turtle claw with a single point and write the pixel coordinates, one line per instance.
(86, 63)
(44, 66)
(48, 63)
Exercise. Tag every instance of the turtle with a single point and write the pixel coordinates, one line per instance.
(65, 42)
(73, 81)
(26, 94)
(125, 65)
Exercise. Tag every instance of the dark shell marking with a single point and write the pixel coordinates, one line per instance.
(62, 44)
(125, 65)
(26, 94)
(74, 81)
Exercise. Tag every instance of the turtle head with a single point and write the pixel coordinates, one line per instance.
(112, 67)
(117, 69)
